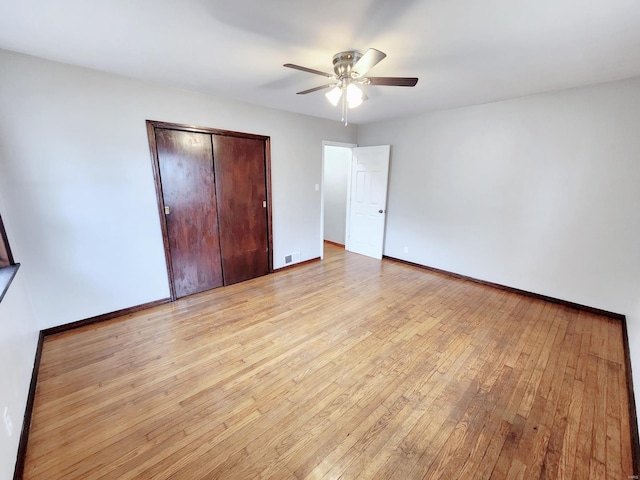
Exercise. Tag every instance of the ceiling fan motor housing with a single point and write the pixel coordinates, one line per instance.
(343, 63)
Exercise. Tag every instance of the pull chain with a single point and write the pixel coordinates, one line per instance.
(345, 110)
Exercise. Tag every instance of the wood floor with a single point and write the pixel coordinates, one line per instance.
(344, 368)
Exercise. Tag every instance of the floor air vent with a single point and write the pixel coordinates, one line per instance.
(293, 258)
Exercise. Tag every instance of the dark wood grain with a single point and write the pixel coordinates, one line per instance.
(242, 213)
(151, 134)
(188, 189)
(152, 125)
(197, 129)
(267, 168)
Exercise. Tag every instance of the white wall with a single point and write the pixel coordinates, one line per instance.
(337, 163)
(18, 341)
(76, 172)
(539, 193)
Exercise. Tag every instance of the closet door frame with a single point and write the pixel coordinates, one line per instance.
(152, 125)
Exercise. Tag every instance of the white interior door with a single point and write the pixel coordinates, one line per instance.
(368, 202)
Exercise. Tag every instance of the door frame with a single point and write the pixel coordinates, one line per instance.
(152, 125)
(329, 143)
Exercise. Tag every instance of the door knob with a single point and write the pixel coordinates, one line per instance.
(380, 211)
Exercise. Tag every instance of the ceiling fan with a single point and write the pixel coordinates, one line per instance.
(350, 68)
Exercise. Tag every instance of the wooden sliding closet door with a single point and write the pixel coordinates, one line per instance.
(189, 194)
(242, 214)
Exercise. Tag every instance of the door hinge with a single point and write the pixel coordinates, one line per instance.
(264, 204)
(167, 210)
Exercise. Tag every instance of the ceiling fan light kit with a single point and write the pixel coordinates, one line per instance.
(350, 68)
(355, 96)
(334, 95)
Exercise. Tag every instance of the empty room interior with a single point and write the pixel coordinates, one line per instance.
(294, 240)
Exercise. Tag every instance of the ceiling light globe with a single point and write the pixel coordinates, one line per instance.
(354, 95)
(334, 95)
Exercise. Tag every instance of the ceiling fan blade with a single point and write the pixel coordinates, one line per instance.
(392, 81)
(304, 92)
(308, 70)
(369, 60)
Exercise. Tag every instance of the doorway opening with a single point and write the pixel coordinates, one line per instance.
(354, 197)
(336, 183)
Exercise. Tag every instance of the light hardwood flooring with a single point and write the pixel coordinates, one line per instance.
(344, 368)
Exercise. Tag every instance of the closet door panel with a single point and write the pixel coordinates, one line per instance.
(241, 193)
(188, 189)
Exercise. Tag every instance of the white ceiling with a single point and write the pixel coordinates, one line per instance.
(465, 52)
